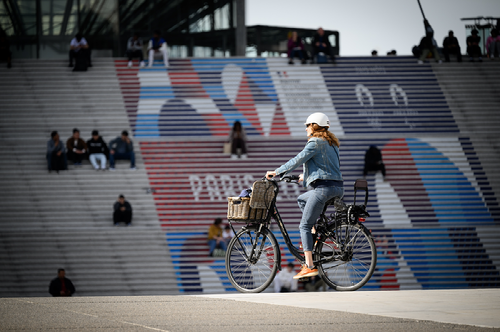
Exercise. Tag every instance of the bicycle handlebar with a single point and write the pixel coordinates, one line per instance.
(289, 178)
(286, 178)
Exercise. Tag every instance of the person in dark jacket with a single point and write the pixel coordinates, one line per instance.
(79, 50)
(56, 154)
(451, 46)
(122, 211)
(134, 50)
(428, 44)
(5, 53)
(77, 148)
(121, 148)
(373, 161)
(98, 150)
(238, 140)
(473, 48)
(296, 49)
(61, 286)
(321, 44)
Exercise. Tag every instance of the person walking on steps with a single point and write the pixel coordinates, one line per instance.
(320, 158)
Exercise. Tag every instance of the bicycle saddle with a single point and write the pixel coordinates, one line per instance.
(338, 203)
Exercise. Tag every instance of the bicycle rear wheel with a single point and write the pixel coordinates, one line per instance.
(355, 258)
(252, 273)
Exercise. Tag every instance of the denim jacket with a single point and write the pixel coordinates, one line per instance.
(320, 160)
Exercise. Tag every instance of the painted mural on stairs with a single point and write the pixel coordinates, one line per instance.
(270, 98)
(426, 215)
(431, 184)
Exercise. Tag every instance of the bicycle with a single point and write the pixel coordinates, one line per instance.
(344, 251)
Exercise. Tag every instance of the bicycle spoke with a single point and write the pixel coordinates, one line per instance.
(252, 273)
(355, 258)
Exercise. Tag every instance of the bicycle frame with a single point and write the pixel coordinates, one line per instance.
(277, 217)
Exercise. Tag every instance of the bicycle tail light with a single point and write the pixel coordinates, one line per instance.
(361, 219)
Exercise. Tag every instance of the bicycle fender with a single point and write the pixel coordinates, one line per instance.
(365, 229)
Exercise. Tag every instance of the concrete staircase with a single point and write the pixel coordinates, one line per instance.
(51, 220)
(472, 91)
(109, 261)
(435, 217)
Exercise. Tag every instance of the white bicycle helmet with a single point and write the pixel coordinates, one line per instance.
(319, 118)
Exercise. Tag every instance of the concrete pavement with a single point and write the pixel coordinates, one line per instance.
(479, 307)
(332, 311)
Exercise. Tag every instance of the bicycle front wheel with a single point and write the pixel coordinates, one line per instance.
(251, 260)
(353, 258)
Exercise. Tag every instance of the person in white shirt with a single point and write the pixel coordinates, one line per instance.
(134, 50)
(79, 47)
(157, 45)
(227, 234)
(284, 281)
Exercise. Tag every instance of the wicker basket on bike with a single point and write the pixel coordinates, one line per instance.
(254, 208)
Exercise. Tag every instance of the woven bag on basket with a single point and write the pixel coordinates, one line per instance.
(262, 195)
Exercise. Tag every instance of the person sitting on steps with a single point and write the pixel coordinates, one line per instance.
(428, 45)
(227, 234)
(238, 139)
(215, 238)
(61, 286)
(97, 150)
(122, 211)
(77, 148)
(373, 161)
(134, 50)
(157, 45)
(296, 48)
(320, 158)
(121, 148)
(493, 45)
(321, 44)
(284, 282)
(79, 48)
(56, 154)
(451, 46)
(5, 53)
(473, 48)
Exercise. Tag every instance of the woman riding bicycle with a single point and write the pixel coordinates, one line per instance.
(320, 158)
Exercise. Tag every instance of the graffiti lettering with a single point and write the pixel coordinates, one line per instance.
(218, 187)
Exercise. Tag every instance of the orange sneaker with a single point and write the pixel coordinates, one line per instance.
(306, 272)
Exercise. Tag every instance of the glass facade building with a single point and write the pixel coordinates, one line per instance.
(192, 28)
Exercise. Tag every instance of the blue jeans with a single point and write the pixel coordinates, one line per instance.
(55, 162)
(311, 204)
(213, 243)
(123, 156)
(297, 54)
